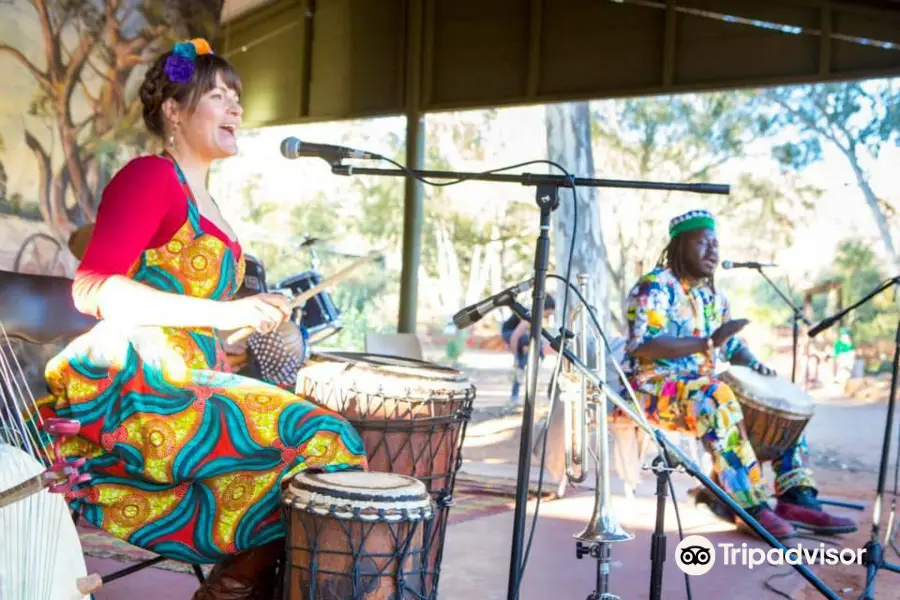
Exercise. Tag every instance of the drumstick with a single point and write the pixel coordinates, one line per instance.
(297, 302)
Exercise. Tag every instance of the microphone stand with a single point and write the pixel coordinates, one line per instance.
(547, 199)
(671, 457)
(798, 316)
(874, 550)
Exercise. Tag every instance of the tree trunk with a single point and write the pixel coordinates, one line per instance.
(884, 228)
(569, 144)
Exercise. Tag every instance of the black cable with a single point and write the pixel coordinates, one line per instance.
(768, 583)
(475, 175)
(806, 536)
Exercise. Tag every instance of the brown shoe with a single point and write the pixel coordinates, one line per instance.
(250, 575)
(771, 522)
(800, 507)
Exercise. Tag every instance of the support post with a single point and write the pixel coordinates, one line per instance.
(415, 157)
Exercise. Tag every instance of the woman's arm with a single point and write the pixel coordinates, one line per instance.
(143, 205)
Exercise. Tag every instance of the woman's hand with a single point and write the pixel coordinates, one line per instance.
(263, 312)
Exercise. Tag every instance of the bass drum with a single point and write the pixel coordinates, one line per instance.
(775, 410)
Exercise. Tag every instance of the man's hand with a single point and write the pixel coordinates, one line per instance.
(728, 330)
(763, 369)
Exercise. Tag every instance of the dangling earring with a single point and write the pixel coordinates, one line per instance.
(171, 140)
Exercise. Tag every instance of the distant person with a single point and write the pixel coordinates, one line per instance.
(517, 335)
(844, 356)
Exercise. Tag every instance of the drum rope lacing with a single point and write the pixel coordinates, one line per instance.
(315, 544)
(399, 422)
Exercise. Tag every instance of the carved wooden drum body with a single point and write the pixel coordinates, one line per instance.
(775, 410)
(358, 535)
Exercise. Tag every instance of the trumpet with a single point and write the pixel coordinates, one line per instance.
(585, 408)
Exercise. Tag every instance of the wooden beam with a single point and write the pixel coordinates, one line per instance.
(535, 21)
(305, 58)
(670, 47)
(825, 42)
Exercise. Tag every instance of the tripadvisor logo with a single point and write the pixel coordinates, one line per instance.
(696, 555)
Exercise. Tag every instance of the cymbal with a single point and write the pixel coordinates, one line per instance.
(79, 239)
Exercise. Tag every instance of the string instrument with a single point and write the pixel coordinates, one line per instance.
(40, 554)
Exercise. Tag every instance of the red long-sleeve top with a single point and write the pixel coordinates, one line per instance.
(142, 207)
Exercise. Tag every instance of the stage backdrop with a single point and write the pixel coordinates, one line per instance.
(70, 115)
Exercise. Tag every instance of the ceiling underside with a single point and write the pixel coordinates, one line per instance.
(315, 60)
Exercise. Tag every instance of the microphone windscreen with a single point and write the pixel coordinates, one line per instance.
(726, 264)
(290, 146)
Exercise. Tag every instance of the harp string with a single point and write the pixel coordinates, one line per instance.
(36, 519)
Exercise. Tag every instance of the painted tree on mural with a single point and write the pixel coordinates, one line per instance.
(90, 54)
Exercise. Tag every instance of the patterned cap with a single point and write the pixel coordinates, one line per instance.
(694, 219)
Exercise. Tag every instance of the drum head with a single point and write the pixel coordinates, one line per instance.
(379, 374)
(361, 495)
(771, 392)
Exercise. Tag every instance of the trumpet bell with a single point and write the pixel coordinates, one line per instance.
(604, 528)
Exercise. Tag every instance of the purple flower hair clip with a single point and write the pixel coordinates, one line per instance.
(179, 66)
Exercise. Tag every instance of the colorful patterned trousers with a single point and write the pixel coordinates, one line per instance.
(708, 409)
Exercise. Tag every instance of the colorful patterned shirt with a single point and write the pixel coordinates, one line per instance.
(662, 305)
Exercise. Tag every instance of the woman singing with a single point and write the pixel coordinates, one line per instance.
(186, 458)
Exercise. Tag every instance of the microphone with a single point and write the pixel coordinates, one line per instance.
(475, 312)
(822, 326)
(727, 264)
(291, 147)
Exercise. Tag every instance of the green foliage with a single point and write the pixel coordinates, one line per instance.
(857, 268)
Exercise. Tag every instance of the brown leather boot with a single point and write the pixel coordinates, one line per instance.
(250, 575)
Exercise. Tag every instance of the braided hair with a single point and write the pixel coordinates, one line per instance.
(673, 258)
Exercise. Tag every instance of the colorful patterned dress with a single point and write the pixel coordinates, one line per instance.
(682, 394)
(186, 458)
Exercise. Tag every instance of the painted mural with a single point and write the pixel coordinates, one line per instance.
(70, 116)
(69, 111)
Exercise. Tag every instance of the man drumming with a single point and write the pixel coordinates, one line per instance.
(678, 326)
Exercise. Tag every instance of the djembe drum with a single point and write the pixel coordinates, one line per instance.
(356, 534)
(412, 416)
(775, 410)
